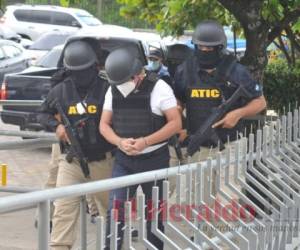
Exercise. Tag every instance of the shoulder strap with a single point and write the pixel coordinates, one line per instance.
(225, 67)
(68, 89)
(99, 85)
(59, 76)
(190, 70)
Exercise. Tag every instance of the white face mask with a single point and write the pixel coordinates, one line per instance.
(126, 88)
(153, 65)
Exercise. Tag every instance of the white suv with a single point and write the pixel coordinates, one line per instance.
(30, 21)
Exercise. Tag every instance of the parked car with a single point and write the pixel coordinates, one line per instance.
(47, 61)
(35, 85)
(12, 58)
(9, 34)
(31, 21)
(46, 42)
(109, 30)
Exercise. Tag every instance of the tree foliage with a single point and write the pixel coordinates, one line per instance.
(282, 84)
(174, 16)
(260, 21)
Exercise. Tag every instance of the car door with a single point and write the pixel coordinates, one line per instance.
(33, 22)
(15, 59)
(64, 22)
(26, 23)
(41, 21)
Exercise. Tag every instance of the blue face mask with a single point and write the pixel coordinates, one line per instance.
(153, 65)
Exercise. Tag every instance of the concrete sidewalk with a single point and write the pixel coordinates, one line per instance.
(27, 168)
(17, 231)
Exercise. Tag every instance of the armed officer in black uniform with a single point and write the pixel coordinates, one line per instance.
(139, 116)
(81, 96)
(208, 78)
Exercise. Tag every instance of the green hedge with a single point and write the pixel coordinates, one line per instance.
(282, 84)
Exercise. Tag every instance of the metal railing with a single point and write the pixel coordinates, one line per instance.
(20, 102)
(265, 165)
(39, 140)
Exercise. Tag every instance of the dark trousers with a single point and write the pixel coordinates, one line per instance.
(126, 165)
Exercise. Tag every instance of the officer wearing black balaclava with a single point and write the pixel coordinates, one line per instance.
(82, 67)
(81, 96)
(211, 76)
(210, 42)
(208, 78)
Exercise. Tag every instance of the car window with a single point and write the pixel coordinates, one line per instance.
(50, 59)
(23, 15)
(65, 19)
(35, 16)
(11, 51)
(41, 16)
(48, 41)
(88, 19)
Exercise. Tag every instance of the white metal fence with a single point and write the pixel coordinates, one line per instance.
(265, 165)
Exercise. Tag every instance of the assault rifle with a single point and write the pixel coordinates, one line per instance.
(75, 147)
(206, 131)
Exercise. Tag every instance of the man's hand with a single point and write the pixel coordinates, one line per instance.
(125, 145)
(61, 133)
(182, 135)
(229, 120)
(138, 146)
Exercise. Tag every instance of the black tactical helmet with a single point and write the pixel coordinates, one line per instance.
(121, 65)
(209, 33)
(79, 55)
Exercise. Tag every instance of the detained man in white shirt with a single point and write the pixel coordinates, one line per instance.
(139, 116)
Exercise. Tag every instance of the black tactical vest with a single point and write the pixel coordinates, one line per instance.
(92, 142)
(132, 116)
(204, 93)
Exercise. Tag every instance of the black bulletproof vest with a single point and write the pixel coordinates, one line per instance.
(92, 142)
(204, 93)
(132, 116)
